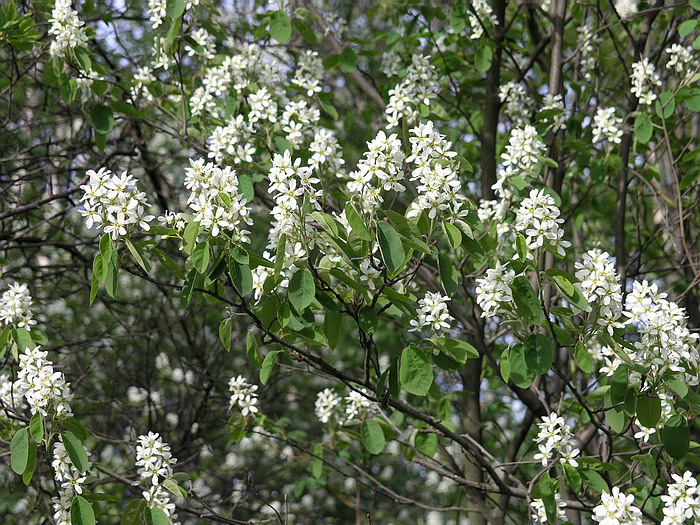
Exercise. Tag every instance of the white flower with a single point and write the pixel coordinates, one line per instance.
(42, 387)
(357, 405)
(644, 79)
(15, 307)
(494, 289)
(243, 394)
(517, 102)
(419, 86)
(155, 464)
(556, 439)
(587, 41)
(326, 403)
(607, 125)
(157, 11)
(601, 288)
(432, 314)
(555, 102)
(682, 60)
(617, 509)
(538, 219)
(66, 29)
(626, 8)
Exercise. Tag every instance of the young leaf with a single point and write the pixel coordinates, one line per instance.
(483, 58)
(526, 302)
(538, 353)
(226, 333)
(75, 450)
(19, 450)
(280, 27)
(317, 461)
(427, 443)
(28, 473)
(101, 118)
(132, 512)
(268, 366)
(648, 410)
(200, 257)
(449, 277)
(676, 436)
(301, 289)
(416, 371)
(155, 516)
(358, 227)
(583, 358)
(391, 248)
(36, 427)
(81, 512)
(520, 373)
(642, 128)
(372, 437)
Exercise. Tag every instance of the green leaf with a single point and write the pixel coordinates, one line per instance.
(305, 31)
(372, 437)
(520, 373)
(332, 323)
(648, 410)
(565, 283)
(521, 246)
(449, 276)
(253, 350)
(483, 58)
(526, 302)
(242, 277)
(356, 224)
(583, 358)
(81, 512)
(137, 255)
(504, 365)
(458, 350)
(175, 489)
(175, 8)
(348, 60)
(676, 436)
(131, 513)
(76, 451)
(83, 59)
(23, 338)
(226, 333)
(200, 257)
(268, 366)
(301, 289)
(280, 27)
(678, 386)
(538, 353)
(687, 27)
(427, 443)
(19, 450)
(546, 490)
(28, 473)
(155, 517)
(368, 319)
(416, 371)
(573, 478)
(36, 427)
(317, 461)
(391, 248)
(189, 236)
(127, 109)
(454, 235)
(594, 481)
(101, 118)
(642, 128)
(76, 427)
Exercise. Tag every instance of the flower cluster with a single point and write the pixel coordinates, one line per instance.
(600, 286)
(298, 121)
(517, 102)
(626, 8)
(418, 87)
(15, 307)
(665, 342)
(43, 388)
(391, 63)
(157, 11)
(216, 201)
(681, 59)
(607, 126)
(554, 104)
(205, 40)
(113, 203)
(644, 79)
(326, 152)
(290, 185)
(435, 171)
(555, 438)
(494, 289)
(682, 501)
(617, 509)
(66, 28)
(586, 43)
(326, 403)
(243, 394)
(309, 73)
(540, 513)
(482, 15)
(70, 482)
(232, 141)
(432, 314)
(357, 405)
(154, 461)
(521, 157)
(538, 219)
(381, 168)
